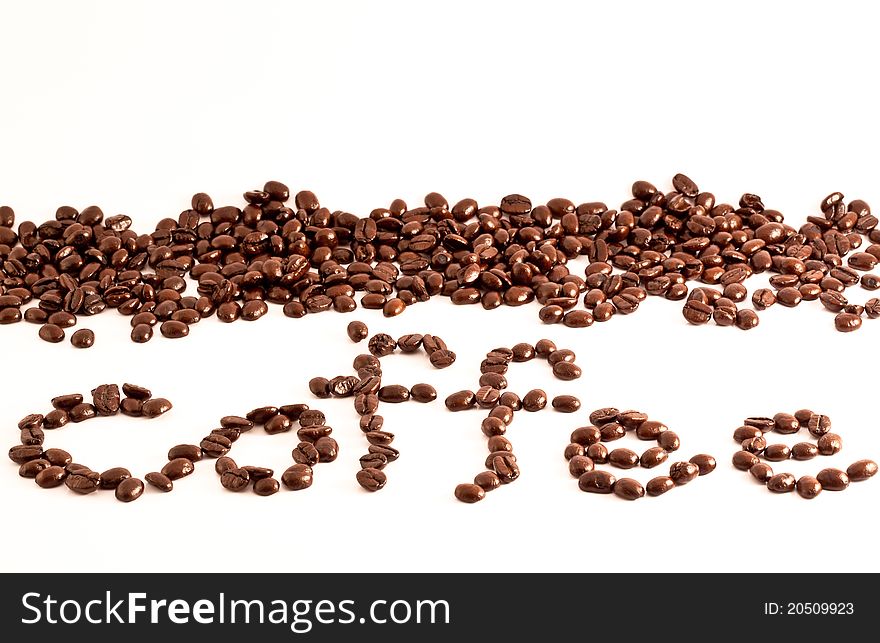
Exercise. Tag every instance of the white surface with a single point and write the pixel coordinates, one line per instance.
(135, 106)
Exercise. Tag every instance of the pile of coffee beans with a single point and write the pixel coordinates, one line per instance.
(587, 449)
(501, 467)
(752, 437)
(54, 467)
(367, 391)
(309, 259)
(315, 446)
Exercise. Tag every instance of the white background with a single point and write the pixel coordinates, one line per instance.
(135, 106)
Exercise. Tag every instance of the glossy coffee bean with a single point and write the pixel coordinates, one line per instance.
(596, 482)
(357, 331)
(861, 470)
(155, 407)
(112, 478)
(469, 493)
(804, 451)
(83, 412)
(623, 458)
(23, 453)
(82, 481)
(683, 472)
(777, 452)
(669, 441)
(743, 460)
(487, 481)
(818, 425)
(659, 485)
(567, 371)
(51, 333)
(215, 445)
(586, 435)
(650, 430)
(423, 393)
(846, 322)
(129, 490)
(808, 487)
(566, 403)
(173, 329)
(705, 463)
(371, 479)
(755, 445)
(761, 472)
(235, 479)
(786, 423)
(178, 468)
(52, 476)
(833, 479)
(266, 486)
(327, 448)
(191, 452)
(611, 431)
(579, 465)
(781, 483)
(829, 444)
(83, 338)
(393, 394)
(628, 489)
(297, 477)
(534, 400)
(305, 453)
(461, 400)
(160, 481)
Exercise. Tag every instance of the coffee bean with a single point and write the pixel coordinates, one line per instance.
(223, 464)
(566, 371)
(410, 343)
(67, 402)
(292, 411)
(461, 400)
(566, 403)
(49, 477)
(743, 460)
(683, 472)
(572, 450)
(818, 424)
(32, 421)
(266, 486)
(442, 358)
(651, 430)
(510, 400)
(382, 344)
(829, 444)
(847, 322)
(112, 478)
(305, 453)
(705, 463)
(598, 453)
(808, 487)
(623, 458)
(653, 457)
(611, 431)
(697, 312)
(235, 479)
(106, 399)
(83, 481)
(659, 485)
(173, 329)
(761, 472)
(487, 481)
(523, 352)
(129, 406)
(178, 468)
(155, 407)
(861, 470)
(754, 445)
(371, 479)
(628, 489)
(366, 404)
(596, 482)
(872, 308)
(215, 445)
(83, 338)
(141, 334)
(804, 451)
(236, 422)
(327, 448)
(469, 493)
(393, 394)
(777, 453)
(781, 483)
(423, 393)
(833, 479)
(534, 400)
(786, 423)
(586, 435)
(49, 332)
(579, 465)
(544, 347)
(312, 418)
(160, 481)
(789, 297)
(20, 454)
(129, 489)
(32, 437)
(763, 298)
(189, 451)
(505, 467)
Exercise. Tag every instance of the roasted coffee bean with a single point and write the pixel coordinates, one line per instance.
(381, 345)
(705, 463)
(829, 444)
(696, 312)
(534, 400)
(505, 467)
(305, 453)
(683, 472)
(112, 478)
(366, 404)
(777, 452)
(433, 343)
(761, 423)
(312, 417)
(628, 489)
(604, 416)
(544, 347)
(22, 453)
(442, 358)
(423, 393)
(266, 486)
(410, 343)
(786, 423)
(818, 424)
(743, 460)
(487, 396)
(371, 423)
(579, 465)
(469, 493)
(262, 414)
(833, 479)
(789, 297)
(651, 430)
(235, 479)
(297, 477)
(487, 481)
(141, 334)
(155, 407)
(804, 451)
(82, 481)
(523, 352)
(52, 476)
(611, 431)
(129, 406)
(371, 479)
(586, 435)
(48, 332)
(215, 445)
(223, 464)
(32, 421)
(160, 481)
(847, 322)
(173, 329)
(178, 468)
(861, 470)
(236, 422)
(277, 424)
(598, 453)
(393, 394)
(566, 403)
(510, 400)
(596, 482)
(462, 400)
(754, 445)
(319, 387)
(83, 338)
(746, 319)
(292, 411)
(566, 371)
(763, 298)
(258, 473)
(781, 483)
(106, 399)
(327, 448)
(761, 472)
(653, 457)
(561, 355)
(659, 485)
(572, 450)
(808, 487)
(57, 457)
(32, 437)
(129, 489)
(373, 460)
(623, 458)
(67, 402)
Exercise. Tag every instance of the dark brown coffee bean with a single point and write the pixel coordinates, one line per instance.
(596, 482)
(82, 481)
(319, 387)
(366, 404)
(236, 422)
(130, 407)
(215, 445)
(393, 394)
(579, 465)
(611, 431)
(160, 481)
(818, 424)
(623, 458)
(112, 478)
(23, 453)
(789, 297)
(586, 435)
(178, 468)
(258, 473)
(155, 407)
(262, 414)
(572, 450)
(327, 448)
(847, 322)
(829, 444)
(705, 463)
(598, 453)
(685, 185)
(381, 345)
(604, 415)
(781, 483)
(305, 453)
(761, 472)
(777, 452)
(653, 457)
(697, 312)
(833, 479)
(628, 489)
(461, 400)
(83, 338)
(743, 460)
(266, 486)
(357, 331)
(371, 479)
(223, 464)
(761, 423)
(744, 433)
(67, 402)
(32, 437)
(683, 472)
(510, 400)
(534, 400)
(57, 457)
(141, 334)
(297, 477)
(804, 451)
(277, 424)
(544, 347)
(861, 470)
(173, 329)
(189, 451)
(423, 393)
(48, 332)
(786, 423)
(754, 445)
(106, 399)
(651, 430)
(505, 467)
(235, 479)
(566, 371)
(487, 481)
(442, 358)
(808, 487)
(523, 352)
(469, 493)
(32, 421)
(763, 298)
(129, 489)
(51, 477)
(659, 485)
